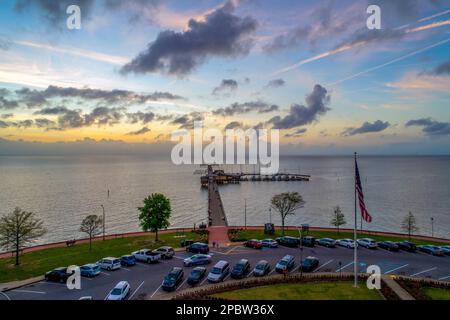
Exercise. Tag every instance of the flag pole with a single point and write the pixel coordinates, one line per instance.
(355, 250)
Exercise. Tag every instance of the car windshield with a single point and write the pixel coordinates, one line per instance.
(307, 261)
(239, 267)
(171, 276)
(196, 273)
(260, 266)
(116, 292)
(216, 270)
(283, 262)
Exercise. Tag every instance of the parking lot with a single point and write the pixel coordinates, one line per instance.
(146, 279)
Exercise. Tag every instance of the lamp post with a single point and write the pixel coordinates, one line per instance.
(270, 215)
(432, 226)
(300, 231)
(103, 209)
(245, 213)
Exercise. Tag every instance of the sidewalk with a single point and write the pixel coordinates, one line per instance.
(399, 291)
(17, 284)
(219, 235)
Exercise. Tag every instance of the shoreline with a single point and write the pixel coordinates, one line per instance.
(8, 254)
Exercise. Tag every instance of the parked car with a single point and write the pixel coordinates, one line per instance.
(261, 268)
(240, 269)
(407, 246)
(197, 260)
(445, 249)
(308, 241)
(269, 243)
(198, 247)
(197, 275)
(286, 264)
(120, 291)
(186, 242)
(255, 244)
(146, 255)
(288, 241)
(327, 242)
(109, 263)
(173, 279)
(90, 270)
(219, 272)
(367, 243)
(127, 260)
(309, 264)
(347, 243)
(433, 250)
(57, 275)
(388, 245)
(166, 252)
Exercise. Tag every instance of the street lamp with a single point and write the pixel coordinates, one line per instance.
(432, 226)
(300, 231)
(245, 213)
(103, 209)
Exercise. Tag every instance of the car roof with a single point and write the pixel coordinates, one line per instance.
(199, 268)
(121, 284)
(262, 262)
(311, 258)
(60, 269)
(243, 261)
(90, 265)
(110, 258)
(176, 269)
(221, 263)
(287, 257)
(165, 247)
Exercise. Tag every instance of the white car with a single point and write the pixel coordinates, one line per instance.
(347, 243)
(109, 263)
(120, 291)
(367, 243)
(147, 255)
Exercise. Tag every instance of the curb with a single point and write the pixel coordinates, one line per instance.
(18, 284)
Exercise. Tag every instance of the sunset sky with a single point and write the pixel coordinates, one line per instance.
(137, 70)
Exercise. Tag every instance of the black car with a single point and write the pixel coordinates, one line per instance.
(197, 274)
(326, 242)
(57, 275)
(240, 269)
(173, 279)
(288, 241)
(407, 246)
(388, 245)
(261, 269)
(309, 264)
(308, 241)
(198, 247)
(186, 243)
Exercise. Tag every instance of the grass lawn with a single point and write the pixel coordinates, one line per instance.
(436, 293)
(303, 291)
(37, 263)
(259, 234)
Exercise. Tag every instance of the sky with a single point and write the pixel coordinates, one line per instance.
(138, 70)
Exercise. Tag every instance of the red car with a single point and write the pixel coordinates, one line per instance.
(255, 244)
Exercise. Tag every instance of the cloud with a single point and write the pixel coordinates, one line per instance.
(52, 111)
(187, 121)
(422, 81)
(299, 115)
(6, 104)
(44, 123)
(431, 127)
(234, 125)
(7, 116)
(226, 86)
(276, 83)
(442, 69)
(296, 133)
(37, 98)
(100, 116)
(220, 34)
(144, 130)
(144, 117)
(367, 127)
(246, 107)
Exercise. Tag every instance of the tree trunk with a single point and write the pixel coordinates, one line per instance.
(338, 228)
(282, 226)
(90, 242)
(156, 235)
(17, 251)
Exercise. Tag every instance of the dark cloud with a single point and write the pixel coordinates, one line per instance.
(144, 117)
(442, 69)
(226, 86)
(52, 111)
(296, 133)
(38, 98)
(7, 115)
(234, 125)
(144, 130)
(431, 127)
(246, 107)
(187, 121)
(300, 115)
(6, 104)
(44, 123)
(276, 83)
(367, 127)
(4, 124)
(100, 116)
(221, 34)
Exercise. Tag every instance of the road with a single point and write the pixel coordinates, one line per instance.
(145, 280)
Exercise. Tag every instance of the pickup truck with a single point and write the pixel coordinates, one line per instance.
(147, 255)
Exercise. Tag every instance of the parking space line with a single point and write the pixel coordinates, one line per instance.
(443, 278)
(201, 283)
(226, 277)
(54, 283)
(157, 289)
(136, 290)
(125, 269)
(249, 274)
(395, 269)
(295, 269)
(273, 270)
(29, 291)
(320, 267)
(181, 258)
(181, 284)
(424, 271)
(7, 297)
(347, 265)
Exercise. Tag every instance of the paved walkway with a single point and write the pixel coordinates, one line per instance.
(399, 291)
(216, 211)
(219, 235)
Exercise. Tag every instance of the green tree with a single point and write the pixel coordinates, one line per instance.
(338, 218)
(18, 229)
(155, 213)
(91, 225)
(409, 224)
(286, 204)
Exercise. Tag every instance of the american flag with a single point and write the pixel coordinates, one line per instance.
(362, 206)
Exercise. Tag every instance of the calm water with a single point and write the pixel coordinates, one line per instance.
(63, 189)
